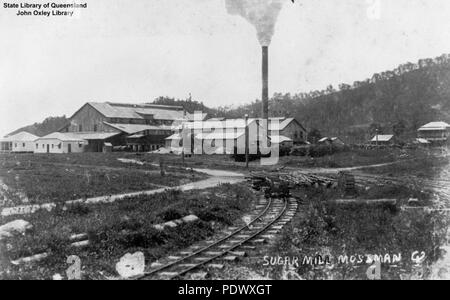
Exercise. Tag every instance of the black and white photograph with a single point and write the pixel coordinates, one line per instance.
(208, 143)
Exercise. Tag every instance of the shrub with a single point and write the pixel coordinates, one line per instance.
(170, 214)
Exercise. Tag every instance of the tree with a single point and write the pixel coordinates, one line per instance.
(399, 128)
(314, 136)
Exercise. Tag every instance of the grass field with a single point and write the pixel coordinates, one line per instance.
(332, 230)
(122, 227)
(351, 158)
(36, 179)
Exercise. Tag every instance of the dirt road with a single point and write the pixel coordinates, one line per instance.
(217, 177)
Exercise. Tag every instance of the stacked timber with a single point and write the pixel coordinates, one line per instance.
(293, 179)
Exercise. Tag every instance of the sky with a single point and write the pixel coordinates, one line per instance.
(137, 50)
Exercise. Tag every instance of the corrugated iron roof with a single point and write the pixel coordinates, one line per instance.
(138, 111)
(94, 135)
(64, 137)
(222, 136)
(135, 128)
(422, 141)
(435, 126)
(220, 123)
(382, 138)
(278, 139)
(22, 136)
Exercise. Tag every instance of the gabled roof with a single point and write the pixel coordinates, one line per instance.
(135, 128)
(222, 136)
(328, 139)
(137, 111)
(175, 136)
(422, 141)
(64, 137)
(382, 138)
(435, 126)
(22, 136)
(278, 139)
(93, 135)
(218, 123)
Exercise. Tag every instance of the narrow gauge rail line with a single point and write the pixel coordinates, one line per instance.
(201, 257)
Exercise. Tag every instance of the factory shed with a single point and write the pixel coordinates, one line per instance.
(97, 141)
(143, 138)
(58, 142)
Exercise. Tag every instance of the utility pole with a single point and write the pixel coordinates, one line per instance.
(376, 132)
(182, 143)
(246, 142)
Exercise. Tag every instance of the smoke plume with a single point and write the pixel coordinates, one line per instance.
(262, 14)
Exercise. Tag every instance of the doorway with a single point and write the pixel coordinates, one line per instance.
(48, 148)
(69, 148)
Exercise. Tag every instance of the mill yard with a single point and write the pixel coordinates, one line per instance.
(400, 202)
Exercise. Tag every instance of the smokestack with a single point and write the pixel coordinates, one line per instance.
(265, 82)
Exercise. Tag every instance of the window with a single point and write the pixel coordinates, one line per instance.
(37, 145)
(53, 146)
(95, 127)
(23, 145)
(80, 145)
(80, 128)
(43, 146)
(15, 145)
(59, 146)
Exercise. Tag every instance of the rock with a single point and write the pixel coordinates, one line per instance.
(158, 227)
(170, 224)
(30, 259)
(131, 265)
(190, 218)
(17, 227)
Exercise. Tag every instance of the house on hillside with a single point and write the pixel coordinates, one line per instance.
(383, 140)
(58, 142)
(435, 132)
(22, 142)
(142, 127)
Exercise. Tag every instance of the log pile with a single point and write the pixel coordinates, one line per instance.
(293, 179)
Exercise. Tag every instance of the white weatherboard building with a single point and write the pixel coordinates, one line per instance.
(20, 142)
(435, 132)
(59, 143)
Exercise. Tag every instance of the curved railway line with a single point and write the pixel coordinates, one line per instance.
(273, 214)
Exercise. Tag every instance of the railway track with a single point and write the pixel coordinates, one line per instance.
(270, 217)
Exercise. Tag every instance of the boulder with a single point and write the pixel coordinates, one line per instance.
(158, 227)
(170, 224)
(190, 218)
(13, 228)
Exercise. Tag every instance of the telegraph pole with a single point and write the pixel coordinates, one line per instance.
(246, 142)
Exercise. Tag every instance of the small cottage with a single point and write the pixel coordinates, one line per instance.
(59, 143)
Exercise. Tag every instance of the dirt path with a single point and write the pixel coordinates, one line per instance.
(348, 169)
(217, 177)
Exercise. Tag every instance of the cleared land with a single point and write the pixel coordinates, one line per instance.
(357, 231)
(119, 228)
(37, 179)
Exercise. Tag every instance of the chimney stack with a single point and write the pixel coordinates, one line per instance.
(265, 82)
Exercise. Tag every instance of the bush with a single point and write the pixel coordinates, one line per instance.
(170, 214)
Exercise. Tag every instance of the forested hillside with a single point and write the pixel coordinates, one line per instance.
(49, 125)
(397, 101)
